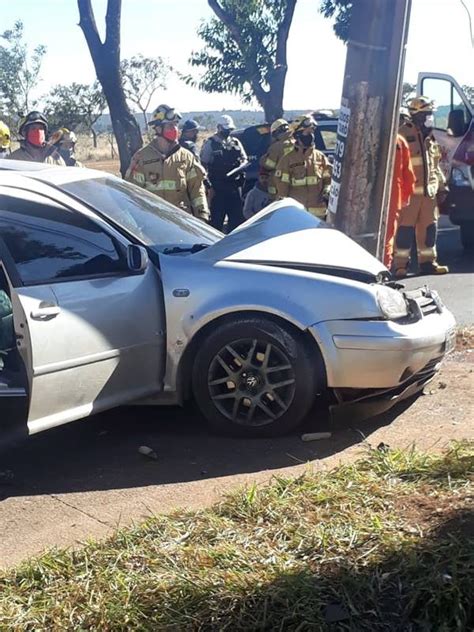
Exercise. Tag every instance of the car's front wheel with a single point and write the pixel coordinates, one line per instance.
(253, 377)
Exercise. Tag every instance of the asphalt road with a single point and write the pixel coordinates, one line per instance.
(456, 288)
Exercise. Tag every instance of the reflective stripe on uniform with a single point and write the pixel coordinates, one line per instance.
(139, 177)
(285, 177)
(271, 164)
(416, 161)
(303, 182)
(272, 190)
(199, 201)
(402, 252)
(191, 174)
(166, 185)
(419, 190)
(426, 251)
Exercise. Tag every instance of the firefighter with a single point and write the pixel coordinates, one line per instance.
(34, 129)
(305, 173)
(403, 185)
(169, 170)
(189, 136)
(281, 144)
(4, 140)
(65, 142)
(419, 220)
(220, 155)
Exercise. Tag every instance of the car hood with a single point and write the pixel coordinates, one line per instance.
(286, 235)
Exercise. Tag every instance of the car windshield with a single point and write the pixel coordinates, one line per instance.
(144, 215)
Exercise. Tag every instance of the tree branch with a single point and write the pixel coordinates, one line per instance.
(283, 33)
(112, 24)
(89, 27)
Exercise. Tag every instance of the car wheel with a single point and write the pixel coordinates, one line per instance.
(255, 378)
(467, 235)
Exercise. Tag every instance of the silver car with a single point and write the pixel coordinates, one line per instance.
(119, 298)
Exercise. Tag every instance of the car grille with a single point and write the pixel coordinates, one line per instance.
(423, 302)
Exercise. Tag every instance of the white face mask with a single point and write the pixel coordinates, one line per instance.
(429, 121)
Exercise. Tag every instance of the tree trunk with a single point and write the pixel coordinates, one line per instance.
(94, 137)
(106, 59)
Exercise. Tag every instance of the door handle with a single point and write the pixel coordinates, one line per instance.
(45, 311)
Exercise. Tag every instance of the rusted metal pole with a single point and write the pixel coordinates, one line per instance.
(371, 95)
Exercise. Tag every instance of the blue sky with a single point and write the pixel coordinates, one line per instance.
(438, 41)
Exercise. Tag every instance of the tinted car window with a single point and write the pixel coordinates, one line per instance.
(50, 243)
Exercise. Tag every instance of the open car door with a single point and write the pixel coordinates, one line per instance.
(454, 130)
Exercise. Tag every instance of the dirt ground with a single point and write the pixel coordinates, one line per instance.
(86, 479)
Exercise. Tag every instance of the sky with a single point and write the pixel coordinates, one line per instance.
(439, 40)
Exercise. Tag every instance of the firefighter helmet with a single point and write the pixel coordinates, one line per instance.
(302, 122)
(4, 136)
(421, 104)
(30, 119)
(278, 124)
(63, 135)
(165, 114)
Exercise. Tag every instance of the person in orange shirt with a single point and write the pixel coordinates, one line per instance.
(403, 186)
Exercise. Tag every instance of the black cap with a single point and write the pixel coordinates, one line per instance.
(191, 124)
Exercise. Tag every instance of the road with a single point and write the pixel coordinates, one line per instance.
(87, 478)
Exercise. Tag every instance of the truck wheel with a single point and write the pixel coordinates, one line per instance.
(254, 378)
(467, 235)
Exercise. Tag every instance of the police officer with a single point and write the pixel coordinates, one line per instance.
(281, 144)
(4, 140)
(419, 220)
(34, 130)
(189, 136)
(220, 155)
(305, 173)
(65, 142)
(169, 170)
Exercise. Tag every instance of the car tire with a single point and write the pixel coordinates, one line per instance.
(467, 235)
(253, 377)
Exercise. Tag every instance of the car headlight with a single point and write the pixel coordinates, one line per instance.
(392, 303)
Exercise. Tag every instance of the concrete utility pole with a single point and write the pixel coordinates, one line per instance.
(373, 79)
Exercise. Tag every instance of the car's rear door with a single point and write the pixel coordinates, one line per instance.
(96, 328)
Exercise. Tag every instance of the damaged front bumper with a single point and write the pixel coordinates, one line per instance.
(373, 365)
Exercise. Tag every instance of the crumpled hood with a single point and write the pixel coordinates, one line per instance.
(285, 233)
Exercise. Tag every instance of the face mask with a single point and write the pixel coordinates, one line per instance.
(306, 139)
(429, 121)
(171, 134)
(36, 137)
(225, 133)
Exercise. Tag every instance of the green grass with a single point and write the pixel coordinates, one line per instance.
(385, 544)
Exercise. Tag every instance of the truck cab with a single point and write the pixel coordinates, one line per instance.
(454, 131)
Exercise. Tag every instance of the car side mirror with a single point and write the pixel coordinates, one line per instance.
(137, 258)
(456, 123)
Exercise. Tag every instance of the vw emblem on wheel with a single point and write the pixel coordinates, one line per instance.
(252, 381)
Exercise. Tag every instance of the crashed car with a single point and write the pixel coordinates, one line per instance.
(118, 297)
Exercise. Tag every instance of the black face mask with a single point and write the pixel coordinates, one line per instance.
(224, 133)
(306, 139)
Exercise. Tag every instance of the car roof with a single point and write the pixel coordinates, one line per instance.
(50, 174)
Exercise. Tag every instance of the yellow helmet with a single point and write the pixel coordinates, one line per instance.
(62, 135)
(421, 104)
(302, 122)
(4, 136)
(165, 114)
(276, 125)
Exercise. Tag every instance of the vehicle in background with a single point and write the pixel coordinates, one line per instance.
(454, 131)
(256, 140)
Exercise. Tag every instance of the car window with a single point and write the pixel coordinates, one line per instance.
(49, 242)
(329, 139)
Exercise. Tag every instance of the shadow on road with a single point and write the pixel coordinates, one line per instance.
(101, 453)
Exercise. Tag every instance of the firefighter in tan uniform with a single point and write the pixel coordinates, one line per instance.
(305, 173)
(419, 220)
(4, 140)
(33, 147)
(169, 170)
(65, 142)
(282, 143)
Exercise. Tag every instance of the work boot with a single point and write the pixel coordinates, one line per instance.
(433, 267)
(400, 273)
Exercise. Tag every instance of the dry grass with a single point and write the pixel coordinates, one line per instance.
(385, 544)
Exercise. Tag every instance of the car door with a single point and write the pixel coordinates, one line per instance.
(96, 328)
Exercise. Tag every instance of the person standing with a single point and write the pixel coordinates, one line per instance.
(5, 140)
(169, 170)
(403, 185)
(258, 197)
(419, 220)
(221, 154)
(281, 144)
(305, 173)
(65, 143)
(34, 130)
(189, 136)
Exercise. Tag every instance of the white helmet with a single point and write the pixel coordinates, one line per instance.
(226, 122)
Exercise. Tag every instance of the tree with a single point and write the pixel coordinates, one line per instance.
(142, 77)
(19, 71)
(341, 11)
(77, 107)
(469, 92)
(408, 91)
(106, 58)
(245, 51)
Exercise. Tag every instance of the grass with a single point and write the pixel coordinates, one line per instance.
(385, 544)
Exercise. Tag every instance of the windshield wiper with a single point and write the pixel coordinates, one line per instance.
(177, 249)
